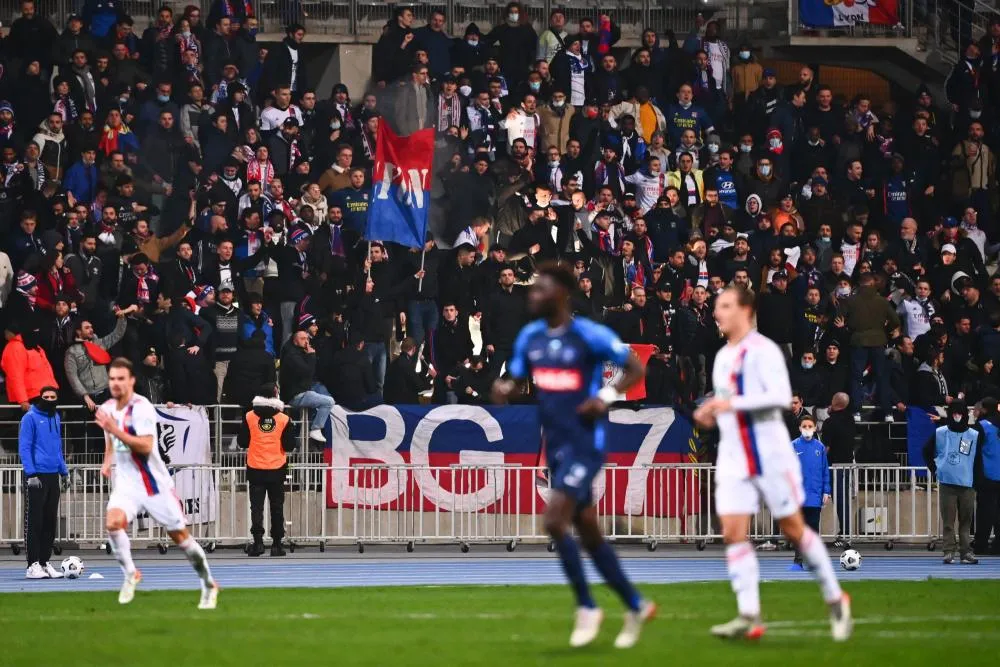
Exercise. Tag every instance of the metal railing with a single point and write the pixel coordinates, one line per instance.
(464, 505)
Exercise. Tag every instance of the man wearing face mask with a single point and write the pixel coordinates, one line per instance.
(517, 43)
(954, 454)
(815, 474)
(40, 448)
(556, 117)
(747, 75)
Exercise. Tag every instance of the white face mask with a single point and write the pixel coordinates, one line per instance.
(975, 114)
(335, 125)
(558, 104)
(774, 142)
(808, 364)
(843, 291)
(744, 148)
(513, 17)
(765, 170)
(472, 42)
(465, 90)
(807, 433)
(744, 55)
(713, 148)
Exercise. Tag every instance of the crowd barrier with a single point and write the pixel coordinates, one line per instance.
(466, 505)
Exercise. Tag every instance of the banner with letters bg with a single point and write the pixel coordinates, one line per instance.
(448, 437)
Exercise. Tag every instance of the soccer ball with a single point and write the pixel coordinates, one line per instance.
(72, 567)
(850, 560)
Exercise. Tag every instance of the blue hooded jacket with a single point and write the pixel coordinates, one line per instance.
(815, 470)
(39, 443)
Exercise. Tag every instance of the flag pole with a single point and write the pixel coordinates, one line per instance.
(369, 260)
(423, 255)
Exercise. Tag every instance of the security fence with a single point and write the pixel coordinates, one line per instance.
(466, 505)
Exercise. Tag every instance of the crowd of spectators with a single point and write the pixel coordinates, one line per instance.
(187, 198)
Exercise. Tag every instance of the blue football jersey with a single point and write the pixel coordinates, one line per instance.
(567, 367)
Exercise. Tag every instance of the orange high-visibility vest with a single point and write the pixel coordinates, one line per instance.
(266, 451)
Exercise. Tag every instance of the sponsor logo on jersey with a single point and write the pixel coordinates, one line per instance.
(558, 379)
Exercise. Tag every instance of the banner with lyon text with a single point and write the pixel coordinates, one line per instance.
(844, 13)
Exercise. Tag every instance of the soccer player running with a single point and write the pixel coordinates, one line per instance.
(757, 461)
(141, 482)
(565, 359)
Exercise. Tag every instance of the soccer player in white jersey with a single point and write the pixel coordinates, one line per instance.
(141, 482)
(757, 461)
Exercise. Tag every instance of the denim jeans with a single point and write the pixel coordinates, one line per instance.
(318, 399)
(860, 356)
(376, 354)
(421, 319)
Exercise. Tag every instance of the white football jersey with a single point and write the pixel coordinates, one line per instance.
(133, 472)
(753, 438)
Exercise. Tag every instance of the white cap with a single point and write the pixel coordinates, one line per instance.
(949, 247)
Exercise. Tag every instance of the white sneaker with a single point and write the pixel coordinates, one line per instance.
(767, 546)
(209, 597)
(317, 434)
(127, 593)
(52, 572)
(36, 571)
(740, 627)
(634, 621)
(841, 621)
(588, 624)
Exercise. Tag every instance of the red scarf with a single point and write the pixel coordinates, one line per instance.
(96, 353)
(262, 172)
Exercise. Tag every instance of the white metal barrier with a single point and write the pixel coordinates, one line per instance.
(476, 504)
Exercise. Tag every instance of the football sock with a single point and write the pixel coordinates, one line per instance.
(569, 553)
(744, 575)
(610, 567)
(814, 552)
(121, 546)
(196, 556)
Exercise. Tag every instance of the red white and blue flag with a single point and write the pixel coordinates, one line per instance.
(401, 187)
(837, 13)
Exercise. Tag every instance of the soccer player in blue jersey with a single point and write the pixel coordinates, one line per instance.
(564, 357)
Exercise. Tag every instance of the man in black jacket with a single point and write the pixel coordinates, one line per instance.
(452, 348)
(224, 317)
(285, 65)
(402, 382)
(299, 387)
(350, 375)
(775, 313)
(839, 433)
(504, 313)
(393, 54)
(252, 366)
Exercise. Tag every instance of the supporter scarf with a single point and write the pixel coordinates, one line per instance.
(604, 36)
(578, 64)
(448, 112)
(604, 241)
(231, 8)
(10, 171)
(109, 138)
(368, 145)
(6, 131)
(293, 153)
(66, 107)
(56, 281)
(635, 274)
(346, 117)
(141, 288)
(31, 298)
(285, 208)
(337, 241)
(189, 44)
(96, 353)
(260, 171)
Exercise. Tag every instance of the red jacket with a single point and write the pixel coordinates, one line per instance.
(27, 371)
(48, 288)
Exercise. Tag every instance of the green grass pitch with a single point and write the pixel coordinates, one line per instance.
(927, 623)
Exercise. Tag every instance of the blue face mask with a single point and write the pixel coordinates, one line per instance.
(535, 85)
(163, 98)
(253, 32)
